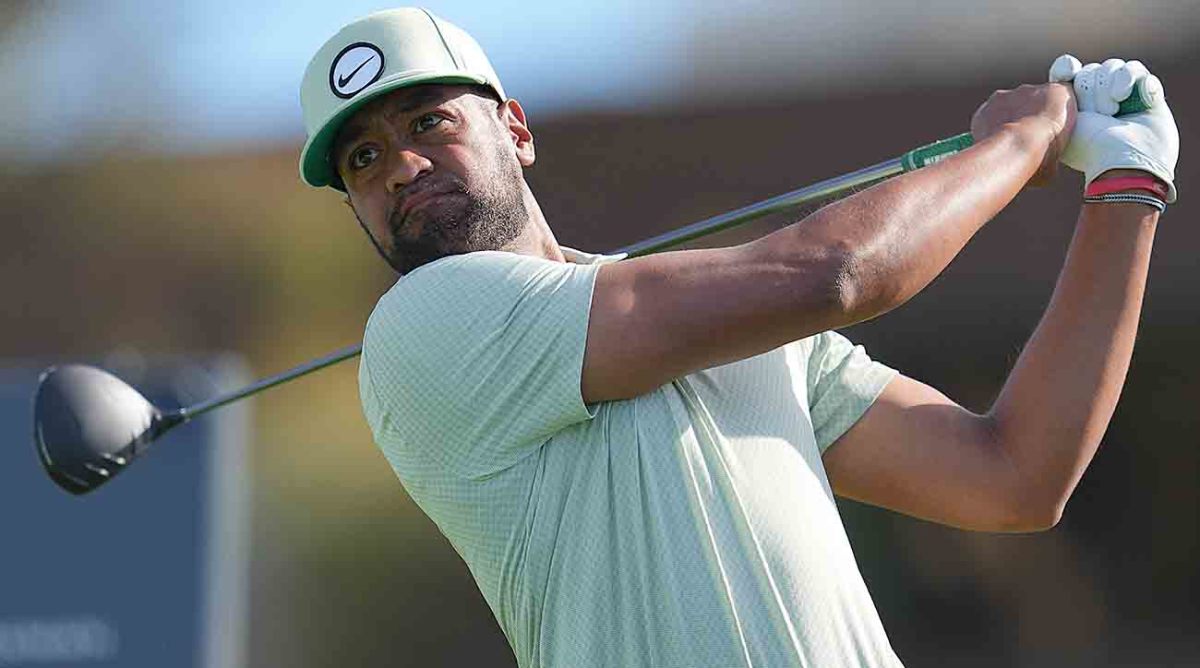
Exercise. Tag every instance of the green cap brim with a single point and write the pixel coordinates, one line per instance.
(315, 167)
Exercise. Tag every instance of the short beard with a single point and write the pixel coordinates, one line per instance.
(494, 215)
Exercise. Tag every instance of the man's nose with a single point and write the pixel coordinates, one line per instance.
(406, 166)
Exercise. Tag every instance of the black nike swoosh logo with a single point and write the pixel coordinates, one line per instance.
(342, 81)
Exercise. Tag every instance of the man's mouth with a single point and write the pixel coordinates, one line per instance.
(410, 203)
(414, 202)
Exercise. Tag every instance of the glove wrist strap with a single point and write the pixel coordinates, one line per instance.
(1129, 198)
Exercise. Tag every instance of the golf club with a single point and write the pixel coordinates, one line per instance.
(90, 425)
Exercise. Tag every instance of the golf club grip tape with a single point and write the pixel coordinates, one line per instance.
(939, 150)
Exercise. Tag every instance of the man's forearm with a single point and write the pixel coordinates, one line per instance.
(1056, 404)
(897, 236)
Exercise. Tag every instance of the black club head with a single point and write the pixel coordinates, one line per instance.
(89, 424)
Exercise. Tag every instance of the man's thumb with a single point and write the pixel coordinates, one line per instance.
(1064, 68)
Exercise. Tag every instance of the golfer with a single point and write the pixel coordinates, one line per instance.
(638, 459)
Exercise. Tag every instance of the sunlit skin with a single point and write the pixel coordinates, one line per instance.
(418, 161)
(436, 170)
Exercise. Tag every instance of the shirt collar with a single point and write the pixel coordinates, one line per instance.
(580, 257)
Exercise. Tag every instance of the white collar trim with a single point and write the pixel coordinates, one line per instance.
(580, 257)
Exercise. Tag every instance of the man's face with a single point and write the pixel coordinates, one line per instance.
(435, 170)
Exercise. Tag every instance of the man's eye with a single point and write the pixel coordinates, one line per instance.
(426, 123)
(363, 157)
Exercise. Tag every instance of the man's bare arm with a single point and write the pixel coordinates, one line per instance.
(1013, 469)
(656, 318)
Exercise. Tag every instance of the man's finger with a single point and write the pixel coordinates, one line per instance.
(1085, 87)
(1106, 101)
(1126, 78)
(1064, 68)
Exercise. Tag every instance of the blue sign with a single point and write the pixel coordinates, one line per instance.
(149, 570)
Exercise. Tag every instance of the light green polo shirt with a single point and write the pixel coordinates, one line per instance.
(691, 526)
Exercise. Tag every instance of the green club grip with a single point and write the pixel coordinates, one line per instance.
(1146, 93)
(939, 150)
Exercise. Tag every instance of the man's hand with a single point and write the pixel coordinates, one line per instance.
(1044, 114)
(1015, 467)
(1146, 141)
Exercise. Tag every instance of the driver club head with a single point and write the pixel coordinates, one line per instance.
(89, 424)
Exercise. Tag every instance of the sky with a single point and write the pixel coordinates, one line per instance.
(223, 72)
(102, 76)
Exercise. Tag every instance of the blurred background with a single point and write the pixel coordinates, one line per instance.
(150, 206)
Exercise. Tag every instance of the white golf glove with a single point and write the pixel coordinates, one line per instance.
(1146, 141)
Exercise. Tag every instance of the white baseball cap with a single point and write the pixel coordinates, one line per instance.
(375, 55)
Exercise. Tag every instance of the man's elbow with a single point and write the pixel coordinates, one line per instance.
(1029, 508)
(836, 279)
(1033, 518)
(824, 282)
(866, 285)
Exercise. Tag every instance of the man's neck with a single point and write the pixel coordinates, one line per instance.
(536, 239)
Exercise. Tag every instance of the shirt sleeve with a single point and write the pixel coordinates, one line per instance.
(843, 382)
(476, 360)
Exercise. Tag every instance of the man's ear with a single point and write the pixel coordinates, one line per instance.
(513, 117)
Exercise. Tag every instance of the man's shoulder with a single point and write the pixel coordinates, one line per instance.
(420, 324)
(452, 269)
(444, 284)
(454, 295)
